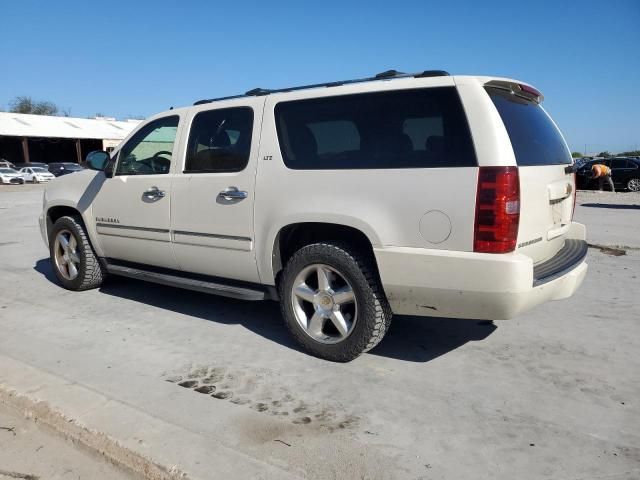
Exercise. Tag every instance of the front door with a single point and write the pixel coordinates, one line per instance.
(212, 200)
(132, 209)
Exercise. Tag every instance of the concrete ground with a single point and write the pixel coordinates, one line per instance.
(30, 452)
(215, 388)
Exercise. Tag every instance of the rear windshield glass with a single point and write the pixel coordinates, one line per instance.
(424, 128)
(534, 137)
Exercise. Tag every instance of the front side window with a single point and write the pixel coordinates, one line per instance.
(424, 128)
(150, 150)
(220, 141)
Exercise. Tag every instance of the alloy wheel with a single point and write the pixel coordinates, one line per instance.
(66, 255)
(634, 184)
(324, 303)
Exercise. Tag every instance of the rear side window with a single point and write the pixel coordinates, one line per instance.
(619, 163)
(423, 128)
(220, 141)
(534, 137)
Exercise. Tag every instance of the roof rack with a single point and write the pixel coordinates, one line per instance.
(386, 75)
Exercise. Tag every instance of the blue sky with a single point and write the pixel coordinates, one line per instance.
(137, 58)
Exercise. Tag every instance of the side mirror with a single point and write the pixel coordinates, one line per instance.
(97, 160)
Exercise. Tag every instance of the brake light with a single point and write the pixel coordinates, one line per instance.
(497, 210)
(529, 90)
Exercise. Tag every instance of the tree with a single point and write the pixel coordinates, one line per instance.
(577, 155)
(604, 154)
(25, 104)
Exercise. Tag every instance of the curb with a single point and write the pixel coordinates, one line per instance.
(95, 442)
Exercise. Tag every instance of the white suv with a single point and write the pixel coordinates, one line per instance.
(420, 194)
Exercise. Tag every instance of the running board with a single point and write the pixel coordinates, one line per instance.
(204, 286)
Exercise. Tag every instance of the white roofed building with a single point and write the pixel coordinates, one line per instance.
(41, 138)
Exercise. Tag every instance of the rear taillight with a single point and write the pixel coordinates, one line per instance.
(497, 210)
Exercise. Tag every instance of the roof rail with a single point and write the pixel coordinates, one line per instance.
(386, 75)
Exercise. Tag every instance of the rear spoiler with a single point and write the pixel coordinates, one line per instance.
(518, 89)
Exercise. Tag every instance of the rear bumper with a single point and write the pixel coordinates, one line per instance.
(475, 285)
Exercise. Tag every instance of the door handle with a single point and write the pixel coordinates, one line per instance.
(154, 193)
(232, 193)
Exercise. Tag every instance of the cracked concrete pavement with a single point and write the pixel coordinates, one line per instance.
(215, 388)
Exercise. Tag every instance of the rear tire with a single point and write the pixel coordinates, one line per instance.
(74, 262)
(634, 184)
(348, 316)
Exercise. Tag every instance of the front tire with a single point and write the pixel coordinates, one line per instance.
(332, 301)
(74, 262)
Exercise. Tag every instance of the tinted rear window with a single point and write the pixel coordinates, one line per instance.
(534, 137)
(423, 128)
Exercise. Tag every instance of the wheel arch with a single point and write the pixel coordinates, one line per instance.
(293, 236)
(58, 211)
(54, 212)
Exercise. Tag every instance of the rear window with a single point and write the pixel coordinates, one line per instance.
(534, 137)
(423, 128)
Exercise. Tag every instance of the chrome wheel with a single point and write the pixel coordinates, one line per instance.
(66, 255)
(324, 303)
(634, 184)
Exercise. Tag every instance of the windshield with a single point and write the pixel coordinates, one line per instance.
(534, 137)
(40, 170)
(7, 170)
(72, 166)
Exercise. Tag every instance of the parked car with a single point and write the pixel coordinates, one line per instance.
(337, 201)
(20, 166)
(9, 175)
(36, 174)
(625, 173)
(64, 168)
(6, 164)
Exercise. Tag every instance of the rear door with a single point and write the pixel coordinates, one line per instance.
(621, 168)
(212, 203)
(546, 184)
